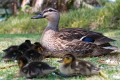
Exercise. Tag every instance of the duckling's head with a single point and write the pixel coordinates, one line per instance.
(24, 46)
(33, 55)
(12, 55)
(49, 13)
(68, 59)
(28, 41)
(22, 61)
(37, 46)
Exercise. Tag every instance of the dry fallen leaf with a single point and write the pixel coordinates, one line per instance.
(110, 62)
(116, 77)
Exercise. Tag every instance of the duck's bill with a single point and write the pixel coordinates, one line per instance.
(37, 16)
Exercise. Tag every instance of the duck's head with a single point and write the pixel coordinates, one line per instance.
(22, 61)
(50, 14)
(68, 59)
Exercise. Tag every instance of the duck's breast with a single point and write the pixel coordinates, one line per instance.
(50, 41)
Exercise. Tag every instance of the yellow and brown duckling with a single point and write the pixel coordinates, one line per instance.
(12, 55)
(34, 69)
(10, 48)
(72, 67)
(25, 46)
(37, 46)
(33, 55)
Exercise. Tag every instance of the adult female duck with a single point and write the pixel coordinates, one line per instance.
(72, 39)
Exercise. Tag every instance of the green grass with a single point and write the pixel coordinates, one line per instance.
(17, 29)
(83, 17)
(11, 73)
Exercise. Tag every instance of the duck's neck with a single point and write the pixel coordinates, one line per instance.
(48, 36)
(52, 25)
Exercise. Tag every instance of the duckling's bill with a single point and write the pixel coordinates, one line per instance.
(65, 61)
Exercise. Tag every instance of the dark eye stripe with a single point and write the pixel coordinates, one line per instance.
(49, 10)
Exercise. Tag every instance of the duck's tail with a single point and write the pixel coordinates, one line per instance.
(113, 48)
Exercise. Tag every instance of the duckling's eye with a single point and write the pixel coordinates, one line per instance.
(31, 54)
(39, 65)
(14, 54)
(67, 58)
(25, 70)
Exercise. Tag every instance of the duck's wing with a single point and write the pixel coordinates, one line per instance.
(81, 48)
(70, 34)
(99, 38)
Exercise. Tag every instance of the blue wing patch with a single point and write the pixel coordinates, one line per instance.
(87, 39)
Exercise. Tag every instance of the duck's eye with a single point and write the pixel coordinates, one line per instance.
(50, 10)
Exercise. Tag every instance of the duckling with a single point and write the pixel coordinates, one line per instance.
(34, 69)
(85, 42)
(72, 67)
(33, 55)
(12, 55)
(38, 47)
(10, 48)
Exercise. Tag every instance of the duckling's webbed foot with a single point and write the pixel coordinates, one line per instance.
(63, 75)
